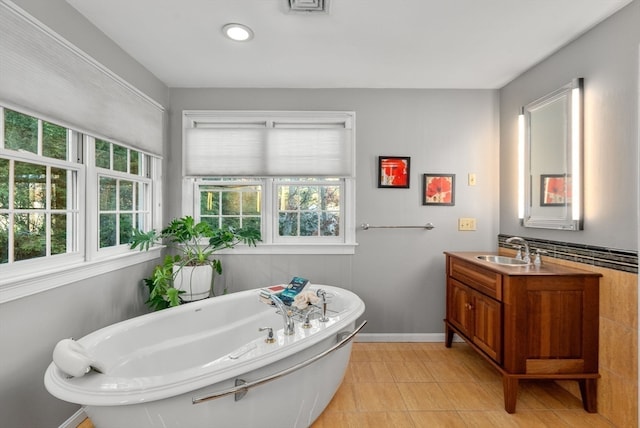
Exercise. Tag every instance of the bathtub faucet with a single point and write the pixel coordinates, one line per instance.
(289, 327)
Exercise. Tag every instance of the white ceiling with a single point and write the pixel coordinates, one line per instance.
(359, 44)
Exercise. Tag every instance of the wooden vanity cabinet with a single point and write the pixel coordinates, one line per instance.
(529, 322)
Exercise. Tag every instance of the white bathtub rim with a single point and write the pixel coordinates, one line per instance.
(86, 390)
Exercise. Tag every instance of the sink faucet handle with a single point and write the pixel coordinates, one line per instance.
(270, 338)
(538, 252)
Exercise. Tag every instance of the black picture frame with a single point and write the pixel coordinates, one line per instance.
(439, 189)
(394, 172)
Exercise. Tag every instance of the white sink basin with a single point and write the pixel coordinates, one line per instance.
(503, 260)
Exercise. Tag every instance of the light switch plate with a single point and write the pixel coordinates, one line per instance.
(466, 223)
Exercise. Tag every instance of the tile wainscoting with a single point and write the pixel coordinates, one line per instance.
(611, 258)
(618, 350)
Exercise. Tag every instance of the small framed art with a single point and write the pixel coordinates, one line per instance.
(555, 190)
(394, 172)
(438, 189)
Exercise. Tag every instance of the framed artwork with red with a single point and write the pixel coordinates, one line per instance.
(438, 189)
(394, 172)
(555, 190)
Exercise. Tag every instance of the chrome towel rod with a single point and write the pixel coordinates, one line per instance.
(367, 226)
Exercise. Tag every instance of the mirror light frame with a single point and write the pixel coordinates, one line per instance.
(575, 220)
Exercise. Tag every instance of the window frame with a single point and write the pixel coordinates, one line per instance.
(299, 181)
(25, 267)
(149, 178)
(269, 218)
(32, 276)
(246, 163)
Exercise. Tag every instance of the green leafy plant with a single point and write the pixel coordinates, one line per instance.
(194, 245)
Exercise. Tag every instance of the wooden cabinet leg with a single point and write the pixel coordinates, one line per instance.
(589, 393)
(510, 385)
(448, 336)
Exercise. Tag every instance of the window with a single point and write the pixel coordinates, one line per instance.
(234, 204)
(308, 208)
(123, 192)
(289, 173)
(39, 214)
(47, 219)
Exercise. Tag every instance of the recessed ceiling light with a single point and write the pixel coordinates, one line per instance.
(237, 32)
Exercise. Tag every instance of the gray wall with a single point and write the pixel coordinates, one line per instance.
(398, 273)
(70, 24)
(607, 58)
(30, 327)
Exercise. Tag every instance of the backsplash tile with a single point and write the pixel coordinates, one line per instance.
(609, 258)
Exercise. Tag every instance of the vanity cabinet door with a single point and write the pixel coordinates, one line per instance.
(459, 304)
(487, 325)
(476, 316)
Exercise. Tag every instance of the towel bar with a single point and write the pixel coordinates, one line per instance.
(367, 226)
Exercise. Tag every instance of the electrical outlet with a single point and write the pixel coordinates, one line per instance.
(472, 179)
(468, 223)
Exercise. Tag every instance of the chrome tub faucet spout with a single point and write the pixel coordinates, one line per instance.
(289, 326)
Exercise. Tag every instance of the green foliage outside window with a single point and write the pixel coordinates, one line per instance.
(120, 208)
(230, 206)
(37, 212)
(20, 131)
(308, 210)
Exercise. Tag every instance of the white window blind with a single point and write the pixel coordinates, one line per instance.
(268, 144)
(43, 72)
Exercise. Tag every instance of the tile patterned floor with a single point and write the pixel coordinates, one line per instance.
(416, 385)
(427, 385)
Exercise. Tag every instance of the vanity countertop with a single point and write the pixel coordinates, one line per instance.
(546, 268)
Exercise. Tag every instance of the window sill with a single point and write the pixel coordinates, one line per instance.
(326, 249)
(27, 285)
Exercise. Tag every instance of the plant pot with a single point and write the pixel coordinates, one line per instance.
(194, 280)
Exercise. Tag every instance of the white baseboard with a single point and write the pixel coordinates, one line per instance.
(75, 419)
(403, 337)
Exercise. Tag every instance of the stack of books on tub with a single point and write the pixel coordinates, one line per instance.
(267, 292)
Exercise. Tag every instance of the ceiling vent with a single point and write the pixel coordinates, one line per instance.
(309, 6)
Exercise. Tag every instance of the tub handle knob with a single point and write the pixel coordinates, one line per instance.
(270, 338)
(307, 319)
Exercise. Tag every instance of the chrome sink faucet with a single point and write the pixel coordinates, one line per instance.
(289, 326)
(527, 254)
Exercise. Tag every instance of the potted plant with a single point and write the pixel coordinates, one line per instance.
(188, 274)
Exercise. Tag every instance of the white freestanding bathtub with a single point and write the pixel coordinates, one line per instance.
(206, 364)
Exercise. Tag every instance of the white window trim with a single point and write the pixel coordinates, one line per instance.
(33, 276)
(17, 287)
(91, 242)
(272, 214)
(189, 207)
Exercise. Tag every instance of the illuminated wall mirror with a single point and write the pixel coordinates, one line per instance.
(550, 160)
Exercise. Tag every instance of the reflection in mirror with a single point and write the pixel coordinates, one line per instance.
(550, 160)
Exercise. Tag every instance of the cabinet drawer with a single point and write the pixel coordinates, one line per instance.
(483, 280)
